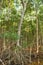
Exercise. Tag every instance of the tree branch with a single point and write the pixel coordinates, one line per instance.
(2, 62)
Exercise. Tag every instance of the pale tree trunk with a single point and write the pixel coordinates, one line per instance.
(30, 54)
(4, 44)
(36, 9)
(37, 35)
(19, 28)
(21, 21)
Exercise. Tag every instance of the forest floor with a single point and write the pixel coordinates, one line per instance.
(36, 59)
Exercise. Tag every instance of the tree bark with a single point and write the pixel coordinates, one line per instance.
(30, 55)
(37, 35)
(21, 21)
(4, 44)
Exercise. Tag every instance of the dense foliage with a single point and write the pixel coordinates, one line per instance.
(21, 25)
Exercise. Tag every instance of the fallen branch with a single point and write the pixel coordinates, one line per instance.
(2, 62)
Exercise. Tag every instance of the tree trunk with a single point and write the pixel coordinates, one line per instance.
(30, 55)
(21, 21)
(19, 28)
(4, 44)
(37, 35)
